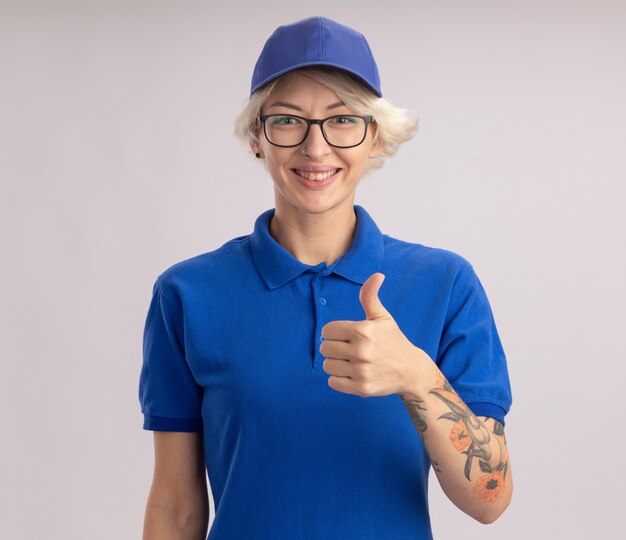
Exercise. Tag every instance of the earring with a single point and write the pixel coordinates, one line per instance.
(258, 155)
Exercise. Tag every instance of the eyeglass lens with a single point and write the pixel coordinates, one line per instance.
(286, 130)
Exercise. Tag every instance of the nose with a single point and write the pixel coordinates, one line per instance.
(315, 144)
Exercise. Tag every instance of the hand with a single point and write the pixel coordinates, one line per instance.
(370, 357)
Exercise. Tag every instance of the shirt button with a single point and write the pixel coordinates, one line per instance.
(323, 301)
(321, 338)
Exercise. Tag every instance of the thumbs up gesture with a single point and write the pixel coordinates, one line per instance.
(370, 357)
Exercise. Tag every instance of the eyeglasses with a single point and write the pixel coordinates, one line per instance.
(340, 131)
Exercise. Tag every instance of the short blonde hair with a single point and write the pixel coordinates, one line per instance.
(392, 125)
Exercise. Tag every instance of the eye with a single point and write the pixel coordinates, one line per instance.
(284, 120)
(345, 120)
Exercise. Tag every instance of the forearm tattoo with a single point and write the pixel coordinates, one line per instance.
(470, 436)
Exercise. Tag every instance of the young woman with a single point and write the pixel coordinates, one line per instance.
(318, 368)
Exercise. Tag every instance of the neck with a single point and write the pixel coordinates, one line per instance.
(315, 238)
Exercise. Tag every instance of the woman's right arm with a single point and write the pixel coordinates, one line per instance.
(178, 503)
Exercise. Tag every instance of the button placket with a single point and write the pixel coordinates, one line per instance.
(320, 320)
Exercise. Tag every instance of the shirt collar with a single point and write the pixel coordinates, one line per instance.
(277, 266)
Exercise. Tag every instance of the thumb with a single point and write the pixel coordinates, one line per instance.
(368, 296)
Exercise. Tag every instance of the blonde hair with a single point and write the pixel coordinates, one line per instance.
(392, 126)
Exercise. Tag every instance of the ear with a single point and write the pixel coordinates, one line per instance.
(253, 136)
(255, 147)
(376, 150)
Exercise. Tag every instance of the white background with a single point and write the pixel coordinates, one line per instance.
(117, 160)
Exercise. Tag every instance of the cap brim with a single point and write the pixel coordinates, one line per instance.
(365, 82)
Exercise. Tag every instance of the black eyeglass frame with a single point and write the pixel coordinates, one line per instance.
(368, 120)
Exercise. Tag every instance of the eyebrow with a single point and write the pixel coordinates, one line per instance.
(292, 106)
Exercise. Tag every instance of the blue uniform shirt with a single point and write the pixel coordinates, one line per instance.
(231, 348)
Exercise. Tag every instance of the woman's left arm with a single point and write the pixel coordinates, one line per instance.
(467, 452)
(373, 357)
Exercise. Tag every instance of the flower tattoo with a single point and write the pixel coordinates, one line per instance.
(470, 436)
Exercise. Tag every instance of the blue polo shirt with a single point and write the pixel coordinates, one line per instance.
(231, 348)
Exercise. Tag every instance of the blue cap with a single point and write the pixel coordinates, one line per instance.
(316, 41)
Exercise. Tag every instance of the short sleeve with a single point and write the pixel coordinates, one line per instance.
(470, 352)
(170, 397)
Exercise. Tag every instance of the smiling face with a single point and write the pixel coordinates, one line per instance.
(312, 177)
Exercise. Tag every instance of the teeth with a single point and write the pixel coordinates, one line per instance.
(316, 176)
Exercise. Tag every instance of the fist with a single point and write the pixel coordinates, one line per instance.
(371, 357)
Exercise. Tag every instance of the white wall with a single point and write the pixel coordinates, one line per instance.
(116, 161)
